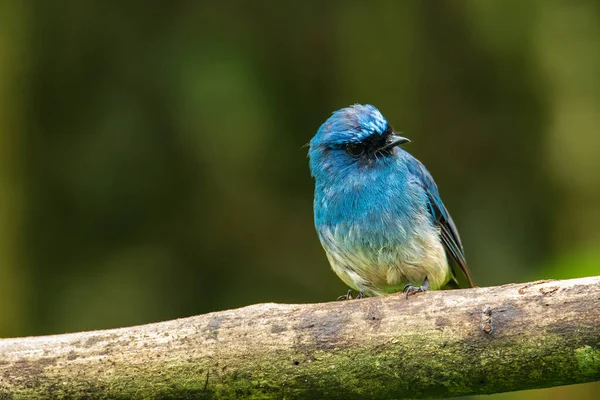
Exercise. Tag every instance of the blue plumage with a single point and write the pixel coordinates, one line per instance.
(378, 212)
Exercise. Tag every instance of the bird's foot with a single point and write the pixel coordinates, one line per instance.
(349, 296)
(410, 289)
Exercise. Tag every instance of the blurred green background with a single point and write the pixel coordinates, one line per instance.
(151, 159)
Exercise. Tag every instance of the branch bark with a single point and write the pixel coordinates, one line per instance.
(438, 344)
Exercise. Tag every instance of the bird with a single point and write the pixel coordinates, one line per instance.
(377, 210)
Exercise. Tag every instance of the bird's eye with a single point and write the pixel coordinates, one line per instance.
(354, 149)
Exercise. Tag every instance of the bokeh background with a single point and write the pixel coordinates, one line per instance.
(152, 162)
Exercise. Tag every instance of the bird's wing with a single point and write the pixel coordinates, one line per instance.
(441, 217)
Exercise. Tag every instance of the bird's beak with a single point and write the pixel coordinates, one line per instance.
(394, 141)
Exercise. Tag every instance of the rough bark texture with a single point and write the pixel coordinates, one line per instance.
(438, 344)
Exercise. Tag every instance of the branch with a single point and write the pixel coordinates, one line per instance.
(438, 344)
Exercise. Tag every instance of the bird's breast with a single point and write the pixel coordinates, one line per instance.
(378, 238)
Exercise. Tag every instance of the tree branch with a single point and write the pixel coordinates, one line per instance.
(438, 344)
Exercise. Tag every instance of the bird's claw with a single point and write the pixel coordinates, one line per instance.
(349, 296)
(411, 289)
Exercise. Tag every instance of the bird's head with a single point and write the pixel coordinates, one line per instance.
(353, 136)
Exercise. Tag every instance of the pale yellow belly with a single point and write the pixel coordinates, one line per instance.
(388, 270)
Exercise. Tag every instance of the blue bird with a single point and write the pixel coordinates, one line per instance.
(377, 210)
